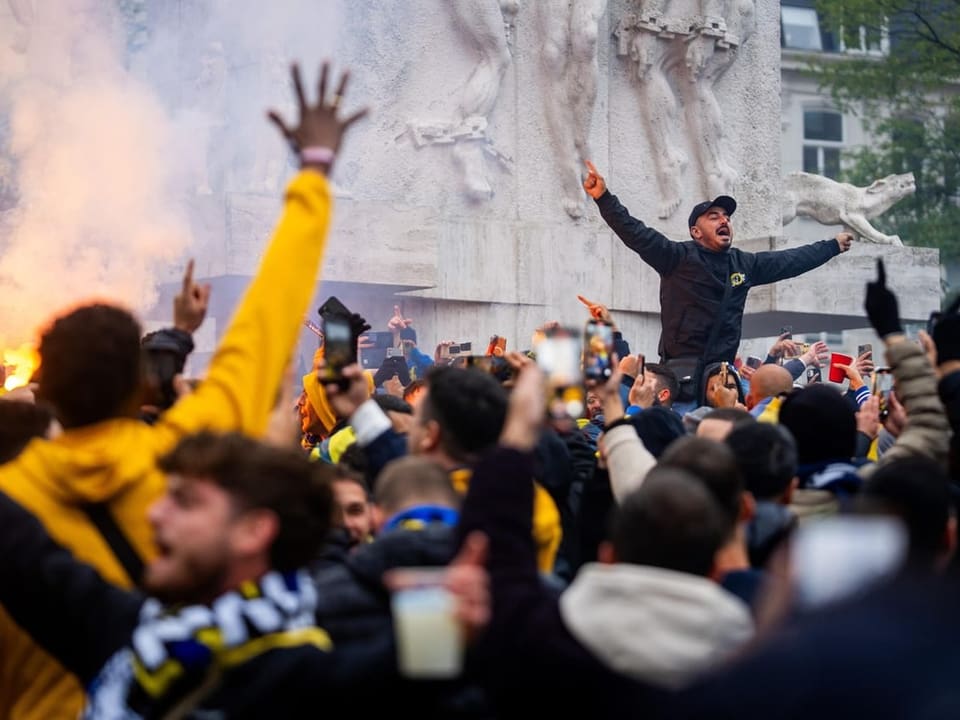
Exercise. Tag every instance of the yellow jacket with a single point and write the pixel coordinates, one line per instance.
(547, 531)
(114, 461)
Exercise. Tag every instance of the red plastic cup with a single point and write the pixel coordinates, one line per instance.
(836, 374)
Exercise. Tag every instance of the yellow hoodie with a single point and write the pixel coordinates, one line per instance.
(113, 462)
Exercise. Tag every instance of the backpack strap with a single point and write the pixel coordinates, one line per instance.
(102, 519)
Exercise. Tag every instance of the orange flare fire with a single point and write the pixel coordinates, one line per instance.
(19, 364)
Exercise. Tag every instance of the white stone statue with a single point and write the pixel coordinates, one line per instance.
(646, 39)
(835, 203)
(681, 49)
(724, 25)
(487, 26)
(569, 63)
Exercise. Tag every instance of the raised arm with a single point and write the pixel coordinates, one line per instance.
(777, 265)
(248, 366)
(927, 431)
(657, 251)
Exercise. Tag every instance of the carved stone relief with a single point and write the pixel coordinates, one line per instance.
(835, 203)
(487, 25)
(570, 71)
(681, 49)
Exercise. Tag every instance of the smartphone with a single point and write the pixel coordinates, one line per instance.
(497, 346)
(597, 350)
(332, 306)
(814, 375)
(641, 364)
(754, 362)
(932, 321)
(460, 349)
(867, 347)
(786, 330)
(841, 555)
(496, 366)
(882, 385)
(340, 347)
(559, 356)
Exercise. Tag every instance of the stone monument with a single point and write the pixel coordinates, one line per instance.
(459, 198)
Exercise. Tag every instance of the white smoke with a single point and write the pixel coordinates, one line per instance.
(92, 153)
(127, 130)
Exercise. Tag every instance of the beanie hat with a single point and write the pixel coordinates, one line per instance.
(822, 423)
(657, 427)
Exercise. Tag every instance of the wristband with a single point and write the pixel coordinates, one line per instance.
(316, 155)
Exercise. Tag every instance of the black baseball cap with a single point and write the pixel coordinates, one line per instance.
(724, 201)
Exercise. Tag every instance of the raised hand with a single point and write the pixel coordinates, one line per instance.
(346, 402)
(881, 305)
(844, 240)
(398, 321)
(191, 303)
(593, 183)
(783, 346)
(597, 311)
(318, 133)
(853, 374)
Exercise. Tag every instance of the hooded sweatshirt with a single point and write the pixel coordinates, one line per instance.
(658, 626)
(113, 463)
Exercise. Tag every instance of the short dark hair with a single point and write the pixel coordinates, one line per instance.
(730, 414)
(20, 422)
(917, 490)
(412, 478)
(715, 466)
(90, 365)
(666, 379)
(354, 458)
(345, 473)
(822, 423)
(767, 456)
(469, 405)
(670, 522)
(259, 476)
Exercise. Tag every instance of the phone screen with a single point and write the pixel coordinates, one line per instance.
(597, 350)
(340, 347)
(754, 362)
(861, 349)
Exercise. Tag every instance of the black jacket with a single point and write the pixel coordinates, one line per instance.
(692, 281)
(531, 661)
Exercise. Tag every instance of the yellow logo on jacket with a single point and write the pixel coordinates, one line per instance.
(737, 279)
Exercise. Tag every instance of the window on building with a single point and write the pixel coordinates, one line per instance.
(800, 28)
(822, 142)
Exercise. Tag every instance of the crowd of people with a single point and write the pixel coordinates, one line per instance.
(707, 539)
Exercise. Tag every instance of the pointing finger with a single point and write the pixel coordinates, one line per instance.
(188, 277)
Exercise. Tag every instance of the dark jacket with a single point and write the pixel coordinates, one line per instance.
(892, 653)
(692, 281)
(353, 606)
(531, 657)
(772, 523)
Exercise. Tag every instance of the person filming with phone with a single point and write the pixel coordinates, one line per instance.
(704, 281)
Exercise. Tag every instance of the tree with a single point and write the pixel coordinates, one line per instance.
(909, 100)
